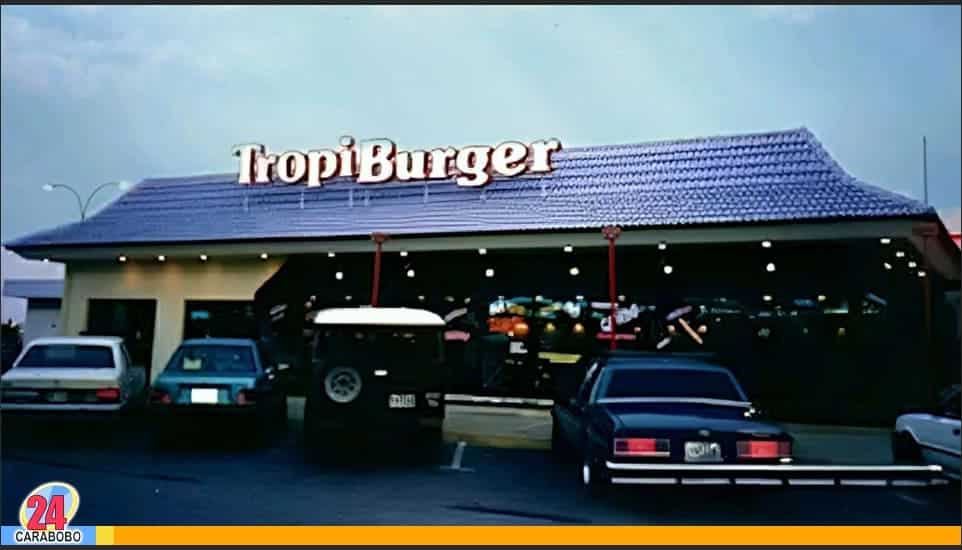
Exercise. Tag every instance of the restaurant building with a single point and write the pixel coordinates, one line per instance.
(834, 300)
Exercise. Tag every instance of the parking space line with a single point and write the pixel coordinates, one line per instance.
(458, 455)
(457, 458)
(911, 500)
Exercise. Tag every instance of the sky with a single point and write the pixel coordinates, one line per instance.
(96, 94)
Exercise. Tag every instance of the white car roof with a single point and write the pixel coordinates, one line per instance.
(378, 316)
(77, 340)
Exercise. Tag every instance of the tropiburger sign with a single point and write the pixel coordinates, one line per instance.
(380, 160)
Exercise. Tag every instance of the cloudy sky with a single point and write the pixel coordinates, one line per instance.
(98, 94)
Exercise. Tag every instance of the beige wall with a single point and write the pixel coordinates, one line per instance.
(171, 284)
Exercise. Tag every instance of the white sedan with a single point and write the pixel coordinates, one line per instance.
(85, 373)
(931, 437)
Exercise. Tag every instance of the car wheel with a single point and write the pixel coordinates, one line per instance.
(342, 384)
(281, 415)
(558, 445)
(905, 450)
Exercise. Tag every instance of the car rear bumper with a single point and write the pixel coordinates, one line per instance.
(796, 475)
(62, 407)
(195, 411)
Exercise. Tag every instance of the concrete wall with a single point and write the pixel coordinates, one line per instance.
(170, 283)
(42, 319)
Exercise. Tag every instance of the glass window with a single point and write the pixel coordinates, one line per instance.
(671, 383)
(385, 344)
(68, 356)
(212, 359)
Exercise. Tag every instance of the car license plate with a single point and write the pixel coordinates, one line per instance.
(205, 396)
(702, 451)
(57, 397)
(401, 401)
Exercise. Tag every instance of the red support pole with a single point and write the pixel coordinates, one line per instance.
(378, 239)
(611, 233)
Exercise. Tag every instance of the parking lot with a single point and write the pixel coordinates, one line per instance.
(494, 468)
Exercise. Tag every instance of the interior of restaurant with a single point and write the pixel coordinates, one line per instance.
(834, 331)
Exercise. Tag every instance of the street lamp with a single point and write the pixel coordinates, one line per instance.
(84, 205)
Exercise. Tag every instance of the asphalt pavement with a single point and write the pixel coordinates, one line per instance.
(219, 474)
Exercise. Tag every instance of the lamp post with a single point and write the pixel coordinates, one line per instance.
(84, 205)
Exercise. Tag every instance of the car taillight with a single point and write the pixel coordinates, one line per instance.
(159, 396)
(641, 446)
(764, 449)
(108, 394)
(245, 397)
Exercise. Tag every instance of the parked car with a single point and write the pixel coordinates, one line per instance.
(646, 409)
(219, 377)
(377, 371)
(86, 373)
(930, 437)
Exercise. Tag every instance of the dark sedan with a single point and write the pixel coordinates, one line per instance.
(650, 412)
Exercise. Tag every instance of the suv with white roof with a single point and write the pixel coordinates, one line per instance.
(377, 371)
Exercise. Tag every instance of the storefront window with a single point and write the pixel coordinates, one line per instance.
(220, 319)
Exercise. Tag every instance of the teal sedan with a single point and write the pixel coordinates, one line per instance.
(213, 377)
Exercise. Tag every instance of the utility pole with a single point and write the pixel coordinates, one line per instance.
(925, 171)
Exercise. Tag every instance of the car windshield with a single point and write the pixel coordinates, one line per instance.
(68, 356)
(212, 359)
(670, 383)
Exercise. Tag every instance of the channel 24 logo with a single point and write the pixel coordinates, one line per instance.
(45, 515)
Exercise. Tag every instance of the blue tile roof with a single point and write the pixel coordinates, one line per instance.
(773, 177)
(33, 288)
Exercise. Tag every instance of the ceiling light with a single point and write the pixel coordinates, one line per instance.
(410, 274)
(421, 298)
(885, 240)
(489, 272)
(822, 297)
(662, 246)
(482, 251)
(568, 248)
(161, 258)
(921, 273)
(46, 260)
(380, 372)
(767, 297)
(263, 255)
(121, 259)
(574, 271)
(667, 269)
(580, 298)
(331, 254)
(339, 275)
(404, 253)
(203, 257)
(913, 265)
(888, 265)
(766, 244)
(899, 254)
(770, 267)
(621, 297)
(348, 297)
